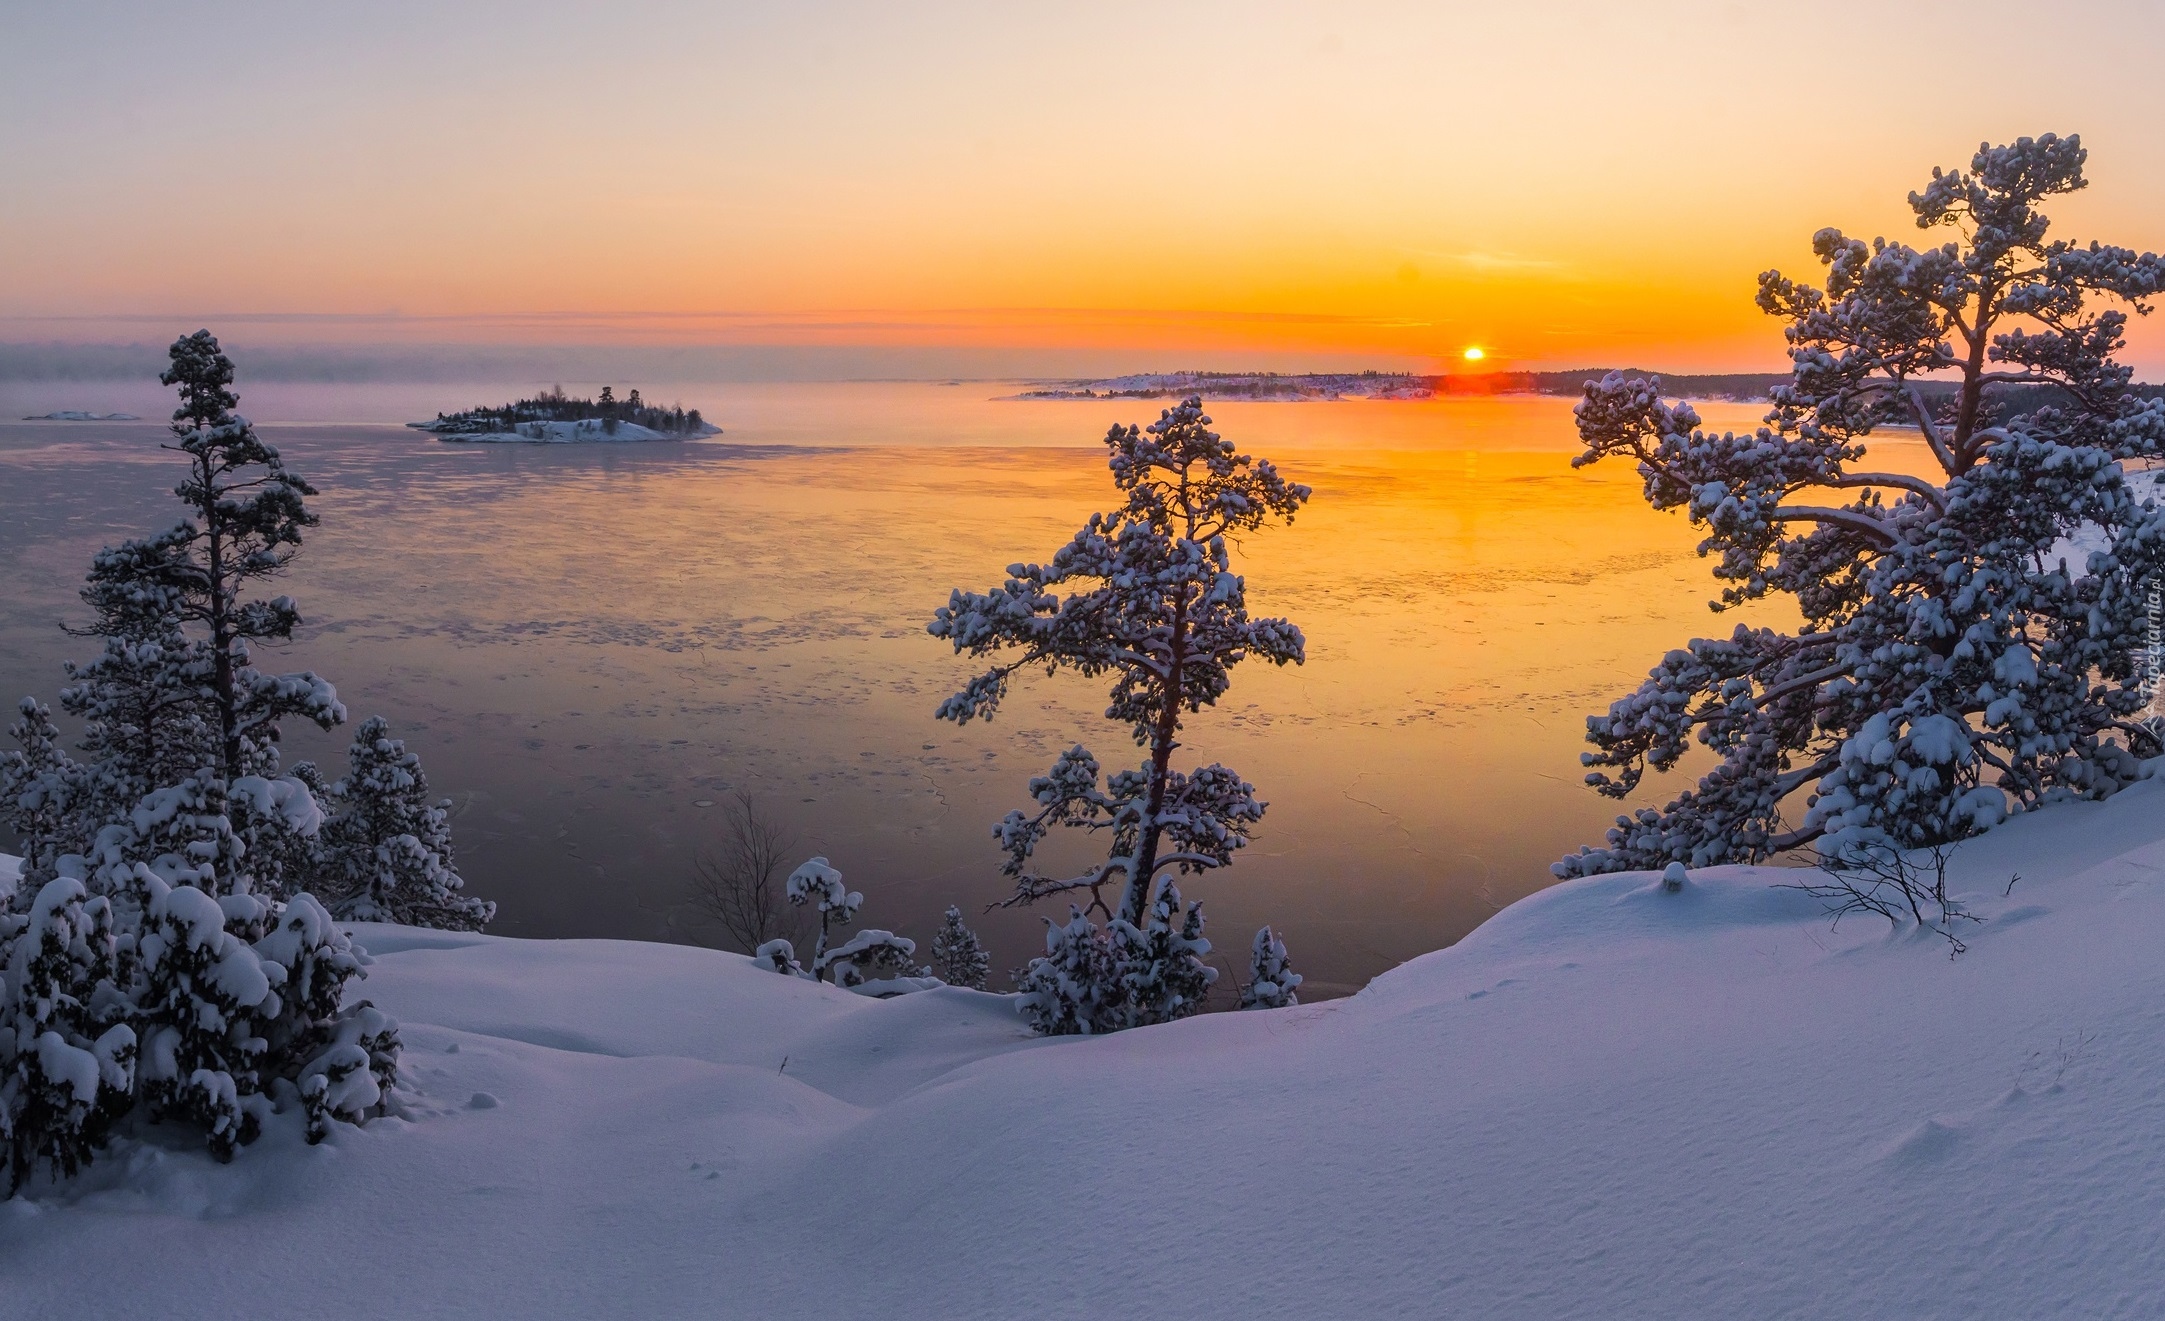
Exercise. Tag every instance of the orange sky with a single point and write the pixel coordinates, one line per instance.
(1563, 184)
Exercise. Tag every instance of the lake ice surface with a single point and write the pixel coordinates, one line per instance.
(591, 647)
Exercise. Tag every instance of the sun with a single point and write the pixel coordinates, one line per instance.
(1475, 355)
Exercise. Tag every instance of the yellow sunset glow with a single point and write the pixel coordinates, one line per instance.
(1379, 185)
(1474, 355)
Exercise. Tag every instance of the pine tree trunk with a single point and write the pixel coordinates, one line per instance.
(1163, 739)
(221, 632)
(1973, 390)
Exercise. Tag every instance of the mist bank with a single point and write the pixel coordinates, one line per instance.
(543, 364)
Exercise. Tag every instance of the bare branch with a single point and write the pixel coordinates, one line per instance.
(738, 884)
(1931, 430)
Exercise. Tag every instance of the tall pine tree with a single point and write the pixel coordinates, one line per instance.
(247, 514)
(1147, 595)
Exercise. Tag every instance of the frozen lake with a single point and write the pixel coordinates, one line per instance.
(591, 645)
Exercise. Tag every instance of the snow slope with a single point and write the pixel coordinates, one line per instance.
(1609, 1101)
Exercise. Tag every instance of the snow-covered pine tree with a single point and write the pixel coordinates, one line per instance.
(1972, 640)
(871, 953)
(1151, 599)
(387, 856)
(247, 515)
(820, 885)
(1272, 983)
(958, 955)
(152, 935)
(145, 700)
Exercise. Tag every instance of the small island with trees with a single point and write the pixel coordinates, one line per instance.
(557, 418)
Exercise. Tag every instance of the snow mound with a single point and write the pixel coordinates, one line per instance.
(1612, 1100)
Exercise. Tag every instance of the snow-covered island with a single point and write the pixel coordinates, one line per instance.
(557, 419)
(1609, 1101)
(77, 415)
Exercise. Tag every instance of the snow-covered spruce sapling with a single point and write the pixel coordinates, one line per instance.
(1972, 641)
(67, 1051)
(958, 956)
(1272, 983)
(1147, 595)
(44, 797)
(1094, 980)
(386, 856)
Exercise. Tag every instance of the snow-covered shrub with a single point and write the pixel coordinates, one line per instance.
(1152, 600)
(1973, 642)
(343, 1058)
(869, 955)
(280, 825)
(957, 954)
(782, 956)
(1161, 965)
(1272, 983)
(1094, 980)
(387, 855)
(67, 1053)
(203, 998)
(1071, 990)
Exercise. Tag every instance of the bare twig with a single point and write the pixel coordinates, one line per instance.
(737, 884)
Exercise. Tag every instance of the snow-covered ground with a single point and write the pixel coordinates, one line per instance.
(586, 431)
(1609, 1101)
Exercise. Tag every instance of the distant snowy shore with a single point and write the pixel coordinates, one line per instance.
(1255, 386)
(1609, 1101)
(75, 415)
(1309, 387)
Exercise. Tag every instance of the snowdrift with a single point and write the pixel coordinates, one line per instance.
(1610, 1101)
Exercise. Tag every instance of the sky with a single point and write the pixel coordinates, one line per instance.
(1224, 185)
